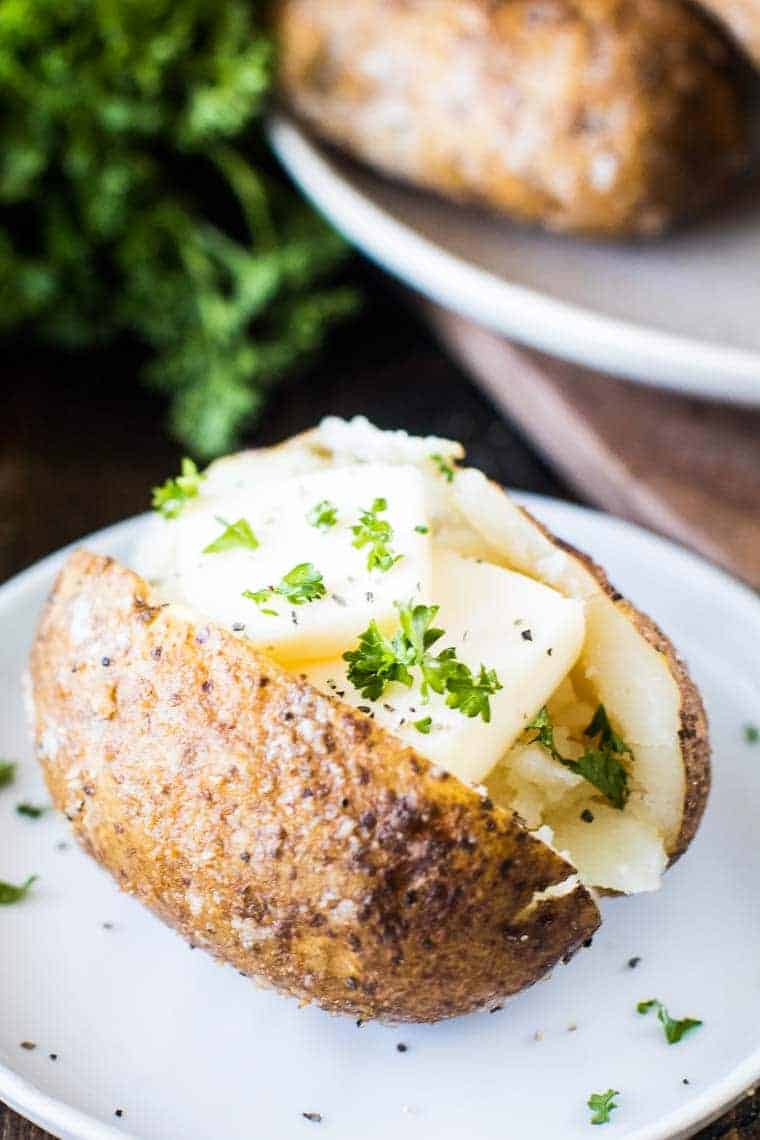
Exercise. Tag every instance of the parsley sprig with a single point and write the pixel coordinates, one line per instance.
(234, 536)
(9, 893)
(7, 772)
(444, 466)
(376, 533)
(31, 811)
(304, 583)
(601, 764)
(674, 1030)
(601, 1105)
(172, 497)
(379, 660)
(323, 515)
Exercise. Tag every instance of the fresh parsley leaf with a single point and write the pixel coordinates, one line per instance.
(601, 1105)
(302, 584)
(602, 766)
(444, 466)
(323, 516)
(32, 811)
(421, 528)
(424, 725)
(7, 772)
(13, 894)
(261, 597)
(674, 1030)
(376, 533)
(235, 535)
(172, 496)
(377, 661)
(605, 772)
(751, 733)
(469, 695)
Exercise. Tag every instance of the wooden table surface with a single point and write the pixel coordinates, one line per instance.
(81, 444)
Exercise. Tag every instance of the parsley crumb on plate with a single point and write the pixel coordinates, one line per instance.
(674, 1030)
(601, 1105)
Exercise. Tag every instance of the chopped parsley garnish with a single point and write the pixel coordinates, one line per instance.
(421, 528)
(7, 772)
(323, 515)
(302, 584)
(173, 495)
(31, 811)
(444, 466)
(601, 1105)
(424, 725)
(470, 694)
(674, 1030)
(234, 535)
(376, 533)
(751, 733)
(379, 660)
(12, 894)
(601, 764)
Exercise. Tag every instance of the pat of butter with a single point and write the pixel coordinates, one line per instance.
(214, 584)
(530, 634)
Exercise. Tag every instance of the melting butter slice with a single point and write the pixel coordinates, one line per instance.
(213, 584)
(530, 634)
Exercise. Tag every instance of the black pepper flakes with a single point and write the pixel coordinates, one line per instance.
(402, 1048)
(588, 943)
(314, 1117)
(119, 1112)
(105, 661)
(53, 1056)
(685, 1081)
(526, 635)
(587, 815)
(352, 983)
(633, 962)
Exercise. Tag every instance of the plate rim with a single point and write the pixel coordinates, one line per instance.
(705, 369)
(64, 1120)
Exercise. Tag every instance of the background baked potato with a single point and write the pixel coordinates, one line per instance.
(604, 116)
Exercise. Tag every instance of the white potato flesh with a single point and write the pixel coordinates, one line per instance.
(627, 674)
(527, 632)
(616, 850)
(213, 584)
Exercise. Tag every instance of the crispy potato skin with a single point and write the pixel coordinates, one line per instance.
(600, 116)
(694, 731)
(279, 828)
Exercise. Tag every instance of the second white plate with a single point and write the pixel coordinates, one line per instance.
(681, 312)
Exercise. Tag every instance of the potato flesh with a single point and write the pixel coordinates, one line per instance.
(530, 635)
(213, 584)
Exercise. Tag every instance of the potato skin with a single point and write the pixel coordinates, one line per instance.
(279, 828)
(694, 732)
(600, 116)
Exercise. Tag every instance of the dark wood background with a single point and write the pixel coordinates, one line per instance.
(81, 445)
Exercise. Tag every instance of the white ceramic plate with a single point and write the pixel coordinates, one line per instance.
(681, 312)
(189, 1049)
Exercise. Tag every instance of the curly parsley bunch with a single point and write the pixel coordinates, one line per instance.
(137, 195)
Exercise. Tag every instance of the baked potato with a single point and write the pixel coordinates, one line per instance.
(601, 116)
(396, 810)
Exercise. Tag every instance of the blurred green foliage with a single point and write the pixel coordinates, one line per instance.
(137, 195)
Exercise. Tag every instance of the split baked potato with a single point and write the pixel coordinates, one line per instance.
(390, 779)
(605, 117)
